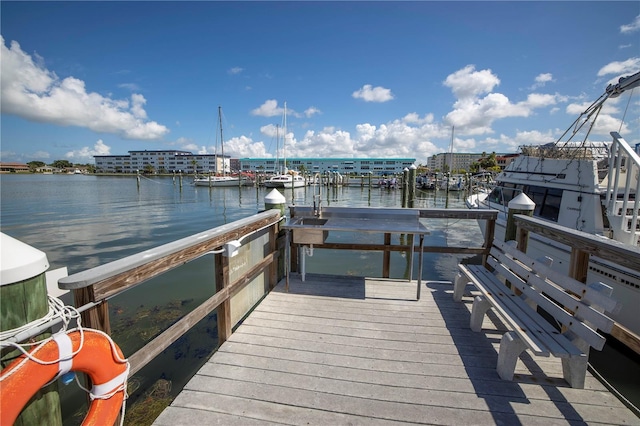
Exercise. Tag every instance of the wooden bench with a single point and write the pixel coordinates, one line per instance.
(576, 308)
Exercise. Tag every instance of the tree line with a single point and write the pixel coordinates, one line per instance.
(60, 164)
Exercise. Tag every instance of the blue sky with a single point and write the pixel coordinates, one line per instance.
(360, 79)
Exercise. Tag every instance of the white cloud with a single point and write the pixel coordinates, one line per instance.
(34, 93)
(130, 86)
(620, 68)
(542, 79)
(269, 108)
(469, 83)
(311, 111)
(473, 114)
(86, 154)
(409, 137)
(632, 27)
(369, 93)
(243, 146)
(235, 70)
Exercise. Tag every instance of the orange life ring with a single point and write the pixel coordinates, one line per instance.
(99, 357)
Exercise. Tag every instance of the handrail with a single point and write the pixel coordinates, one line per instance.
(121, 274)
(604, 248)
(96, 285)
(623, 229)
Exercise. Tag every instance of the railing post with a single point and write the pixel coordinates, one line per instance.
(224, 310)
(96, 317)
(386, 257)
(579, 265)
(488, 239)
(273, 247)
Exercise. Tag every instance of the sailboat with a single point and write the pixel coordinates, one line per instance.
(290, 178)
(452, 182)
(224, 180)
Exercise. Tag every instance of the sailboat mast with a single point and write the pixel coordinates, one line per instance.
(276, 167)
(224, 171)
(451, 151)
(284, 141)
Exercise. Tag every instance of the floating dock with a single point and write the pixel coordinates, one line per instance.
(343, 350)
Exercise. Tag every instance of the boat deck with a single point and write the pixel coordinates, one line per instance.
(341, 350)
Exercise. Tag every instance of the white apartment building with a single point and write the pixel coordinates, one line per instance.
(358, 166)
(161, 162)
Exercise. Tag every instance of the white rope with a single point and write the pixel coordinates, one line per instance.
(58, 310)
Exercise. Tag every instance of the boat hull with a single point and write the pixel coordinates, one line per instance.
(223, 182)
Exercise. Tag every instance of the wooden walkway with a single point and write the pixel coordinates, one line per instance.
(339, 350)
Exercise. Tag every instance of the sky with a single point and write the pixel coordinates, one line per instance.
(359, 79)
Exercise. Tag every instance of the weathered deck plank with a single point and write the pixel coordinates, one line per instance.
(354, 351)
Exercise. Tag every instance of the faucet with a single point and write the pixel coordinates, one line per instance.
(316, 207)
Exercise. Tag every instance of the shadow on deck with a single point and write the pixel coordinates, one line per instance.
(342, 350)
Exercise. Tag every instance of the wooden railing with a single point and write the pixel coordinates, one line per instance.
(255, 264)
(583, 246)
(259, 256)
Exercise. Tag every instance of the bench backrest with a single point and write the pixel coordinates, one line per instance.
(574, 305)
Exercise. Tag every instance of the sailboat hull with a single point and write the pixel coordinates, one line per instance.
(222, 181)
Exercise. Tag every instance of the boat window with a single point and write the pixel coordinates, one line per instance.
(496, 195)
(551, 207)
(536, 193)
(509, 192)
(547, 201)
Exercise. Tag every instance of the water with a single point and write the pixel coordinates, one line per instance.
(84, 221)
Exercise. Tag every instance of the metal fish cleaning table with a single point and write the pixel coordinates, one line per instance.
(311, 226)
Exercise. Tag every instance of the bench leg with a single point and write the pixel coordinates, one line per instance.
(574, 370)
(479, 308)
(510, 349)
(459, 284)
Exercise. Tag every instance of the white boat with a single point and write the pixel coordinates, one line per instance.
(223, 180)
(287, 180)
(453, 183)
(290, 178)
(587, 187)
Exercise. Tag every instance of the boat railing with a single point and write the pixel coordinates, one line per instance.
(623, 185)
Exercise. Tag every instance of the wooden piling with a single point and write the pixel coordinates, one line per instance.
(519, 205)
(23, 299)
(411, 182)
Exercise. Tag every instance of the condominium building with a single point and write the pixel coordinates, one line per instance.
(462, 161)
(377, 166)
(162, 162)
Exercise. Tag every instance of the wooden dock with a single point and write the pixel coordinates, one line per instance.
(340, 350)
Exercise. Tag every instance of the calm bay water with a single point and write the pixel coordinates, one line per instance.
(84, 221)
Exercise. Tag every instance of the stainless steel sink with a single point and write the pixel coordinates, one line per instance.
(311, 231)
(312, 221)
